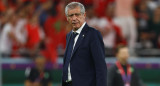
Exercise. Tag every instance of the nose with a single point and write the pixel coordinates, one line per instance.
(74, 17)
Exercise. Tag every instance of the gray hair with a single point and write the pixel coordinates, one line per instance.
(73, 5)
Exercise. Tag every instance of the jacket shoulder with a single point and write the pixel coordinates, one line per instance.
(95, 33)
(93, 30)
(68, 34)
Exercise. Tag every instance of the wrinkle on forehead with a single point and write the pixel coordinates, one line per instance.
(74, 10)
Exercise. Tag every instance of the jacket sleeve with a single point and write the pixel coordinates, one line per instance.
(98, 54)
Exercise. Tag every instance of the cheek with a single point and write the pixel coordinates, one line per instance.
(81, 19)
(69, 20)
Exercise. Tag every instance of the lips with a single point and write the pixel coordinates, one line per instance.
(74, 22)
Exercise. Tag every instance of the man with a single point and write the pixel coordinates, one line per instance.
(84, 60)
(122, 73)
(124, 18)
(8, 35)
(38, 76)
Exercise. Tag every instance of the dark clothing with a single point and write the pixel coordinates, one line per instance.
(154, 29)
(68, 56)
(68, 84)
(87, 63)
(33, 75)
(114, 77)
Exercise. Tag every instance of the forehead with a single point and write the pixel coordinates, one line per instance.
(74, 10)
(123, 49)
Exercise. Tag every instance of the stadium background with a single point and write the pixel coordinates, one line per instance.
(41, 26)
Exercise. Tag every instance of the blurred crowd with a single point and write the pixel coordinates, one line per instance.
(29, 28)
(38, 27)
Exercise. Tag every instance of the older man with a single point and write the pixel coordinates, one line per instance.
(84, 60)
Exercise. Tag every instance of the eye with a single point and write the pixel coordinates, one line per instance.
(77, 14)
(70, 15)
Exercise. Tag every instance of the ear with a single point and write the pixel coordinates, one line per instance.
(67, 18)
(85, 15)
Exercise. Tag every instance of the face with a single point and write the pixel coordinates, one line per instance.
(123, 54)
(40, 63)
(14, 19)
(34, 20)
(110, 11)
(76, 18)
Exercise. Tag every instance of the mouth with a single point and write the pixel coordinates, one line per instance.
(74, 23)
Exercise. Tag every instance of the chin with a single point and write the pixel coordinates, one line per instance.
(76, 27)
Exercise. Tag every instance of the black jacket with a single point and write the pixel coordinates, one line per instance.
(87, 64)
(114, 77)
